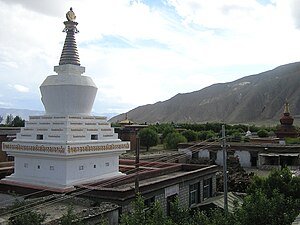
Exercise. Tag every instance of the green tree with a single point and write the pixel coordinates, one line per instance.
(259, 209)
(9, 119)
(190, 135)
(137, 215)
(14, 121)
(282, 180)
(18, 122)
(24, 218)
(140, 214)
(262, 133)
(148, 137)
(168, 128)
(179, 215)
(210, 135)
(70, 218)
(173, 139)
(214, 217)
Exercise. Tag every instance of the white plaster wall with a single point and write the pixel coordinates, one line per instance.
(70, 128)
(65, 172)
(244, 158)
(104, 165)
(43, 175)
(219, 159)
(68, 95)
(203, 154)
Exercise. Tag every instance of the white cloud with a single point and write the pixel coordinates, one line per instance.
(21, 88)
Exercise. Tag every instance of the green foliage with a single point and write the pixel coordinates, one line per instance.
(260, 209)
(236, 136)
(206, 135)
(214, 217)
(262, 133)
(210, 135)
(9, 119)
(282, 180)
(273, 200)
(17, 121)
(278, 194)
(148, 137)
(70, 218)
(25, 218)
(103, 221)
(31, 217)
(140, 215)
(173, 139)
(245, 139)
(292, 141)
(168, 128)
(190, 135)
(179, 215)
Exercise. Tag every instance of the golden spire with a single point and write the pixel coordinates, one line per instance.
(70, 53)
(286, 107)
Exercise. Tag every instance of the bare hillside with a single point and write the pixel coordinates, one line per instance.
(255, 98)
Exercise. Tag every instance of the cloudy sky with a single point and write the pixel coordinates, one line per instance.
(143, 51)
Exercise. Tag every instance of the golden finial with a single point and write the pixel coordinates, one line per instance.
(71, 15)
(286, 107)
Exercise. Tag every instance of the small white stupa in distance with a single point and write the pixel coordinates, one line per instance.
(66, 146)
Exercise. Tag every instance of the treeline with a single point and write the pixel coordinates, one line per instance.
(171, 134)
(11, 121)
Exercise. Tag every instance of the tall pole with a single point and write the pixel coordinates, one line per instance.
(225, 170)
(137, 166)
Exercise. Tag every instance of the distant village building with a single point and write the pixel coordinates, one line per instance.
(264, 153)
(129, 131)
(7, 134)
(286, 128)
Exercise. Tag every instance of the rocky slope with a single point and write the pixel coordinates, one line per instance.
(255, 98)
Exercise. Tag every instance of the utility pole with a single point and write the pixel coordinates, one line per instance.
(225, 170)
(137, 166)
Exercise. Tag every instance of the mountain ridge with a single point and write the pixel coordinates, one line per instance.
(251, 99)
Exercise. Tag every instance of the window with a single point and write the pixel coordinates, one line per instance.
(39, 167)
(94, 137)
(149, 202)
(25, 165)
(81, 167)
(171, 199)
(39, 137)
(253, 160)
(194, 194)
(195, 155)
(95, 166)
(213, 156)
(207, 188)
(107, 164)
(51, 167)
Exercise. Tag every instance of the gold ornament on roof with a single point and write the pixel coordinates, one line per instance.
(71, 15)
(286, 107)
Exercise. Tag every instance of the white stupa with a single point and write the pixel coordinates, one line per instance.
(66, 146)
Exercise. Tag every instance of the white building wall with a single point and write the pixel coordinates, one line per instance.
(244, 158)
(219, 159)
(203, 154)
(42, 171)
(64, 172)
